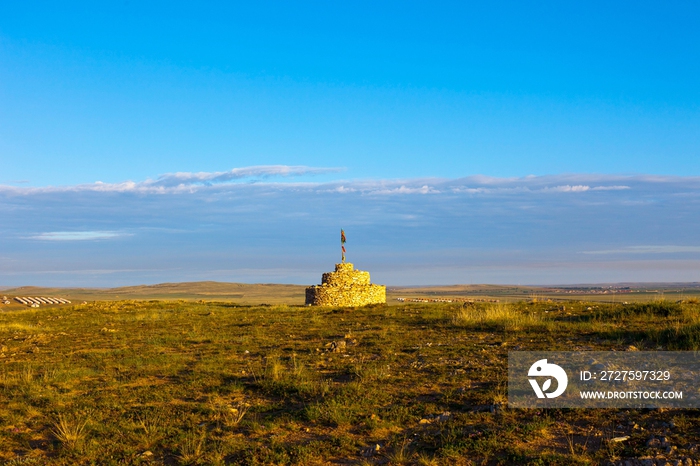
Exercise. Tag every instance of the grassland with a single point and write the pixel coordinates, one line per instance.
(245, 293)
(186, 382)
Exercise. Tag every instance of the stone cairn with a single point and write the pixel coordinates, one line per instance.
(345, 287)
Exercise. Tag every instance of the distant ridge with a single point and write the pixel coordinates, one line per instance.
(209, 290)
(273, 293)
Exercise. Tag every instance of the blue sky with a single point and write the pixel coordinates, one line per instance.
(143, 142)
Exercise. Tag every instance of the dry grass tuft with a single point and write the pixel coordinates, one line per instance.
(70, 432)
(274, 369)
(499, 315)
(234, 414)
(191, 448)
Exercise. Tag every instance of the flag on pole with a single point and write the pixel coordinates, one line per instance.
(342, 242)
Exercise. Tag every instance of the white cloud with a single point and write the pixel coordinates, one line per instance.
(262, 171)
(609, 188)
(567, 189)
(472, 190)
(181, 182)
(343, 189)
(425, 189)
(77, 235)
(580, 188)
(224, 181)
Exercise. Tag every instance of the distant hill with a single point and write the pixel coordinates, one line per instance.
(219, 291)
(244, 293)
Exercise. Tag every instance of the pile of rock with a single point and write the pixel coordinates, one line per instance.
(345, 287)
